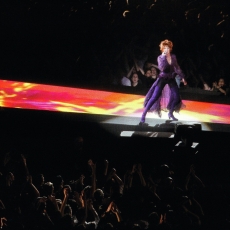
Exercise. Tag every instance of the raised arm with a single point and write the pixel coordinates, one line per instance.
(162, 63)
(128, 178)
(32, 186)
(177, 68)
(195, 177)
(221, 90)
(139, 172)
(66, 195)
(114, 209)
(86, 209)
(138, 68)
(93, 182)
(215, 85)
(116, 212)
(130, 72)
(106, 163)
(117, 178)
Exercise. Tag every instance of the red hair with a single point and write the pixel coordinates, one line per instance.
(166, 43)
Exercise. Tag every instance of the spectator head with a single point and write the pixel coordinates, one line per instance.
(58, 182)
(221, 82)
(78, 143)
(68, 210)
(164, 171)
(68, 187)
(99, 195)
(48, 189)
(153, 219)
(86, 191)
(153, 71)
(134, 79)
(10, 177)
(148, 73)
(39, 179)
(168, 183)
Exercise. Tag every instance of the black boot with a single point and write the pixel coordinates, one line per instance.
(170, 115)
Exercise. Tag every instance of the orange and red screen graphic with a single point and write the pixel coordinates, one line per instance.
(66, 99)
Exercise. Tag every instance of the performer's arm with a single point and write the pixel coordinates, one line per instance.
(177, 68)
(162, 63)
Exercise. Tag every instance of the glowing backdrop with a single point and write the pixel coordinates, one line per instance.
(65, 99)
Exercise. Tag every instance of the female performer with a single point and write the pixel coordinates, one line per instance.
(169, 69)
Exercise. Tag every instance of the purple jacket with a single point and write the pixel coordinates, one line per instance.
(167, 70)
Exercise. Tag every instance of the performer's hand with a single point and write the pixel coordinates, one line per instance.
(184, 81)
(166, 50)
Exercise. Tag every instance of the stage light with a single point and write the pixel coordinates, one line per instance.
(187, 136)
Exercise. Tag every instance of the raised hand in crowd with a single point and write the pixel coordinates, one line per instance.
(196, 179)
(3, 222)
(128, 177)
(136, 169)
(66, 192)
(114, 209)
(106, 163)
(116, 177)
(93, 177)
(139, 172)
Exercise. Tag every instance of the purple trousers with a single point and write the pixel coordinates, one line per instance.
(174, 95)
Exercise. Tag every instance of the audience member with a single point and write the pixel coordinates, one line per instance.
(166, 199)
(154, 73)
(135, 82)
(219, 86)
(150, 77)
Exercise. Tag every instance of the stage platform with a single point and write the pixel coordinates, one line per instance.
(117, 112)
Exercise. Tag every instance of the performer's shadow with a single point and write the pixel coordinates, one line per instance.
(172, 122)
(166, 129)
(168, 124)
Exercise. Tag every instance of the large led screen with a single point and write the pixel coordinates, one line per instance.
(24, 95)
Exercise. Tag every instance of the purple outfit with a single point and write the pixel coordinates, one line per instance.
(167, 75)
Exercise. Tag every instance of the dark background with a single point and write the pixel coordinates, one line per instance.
(90, 42)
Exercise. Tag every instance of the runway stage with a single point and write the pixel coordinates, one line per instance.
(116, 112)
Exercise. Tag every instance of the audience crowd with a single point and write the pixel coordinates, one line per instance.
(95, 195)
(143, 74)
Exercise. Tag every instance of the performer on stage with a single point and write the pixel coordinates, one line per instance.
(169, 69)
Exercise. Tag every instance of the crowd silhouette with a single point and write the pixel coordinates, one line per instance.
(87, 191)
